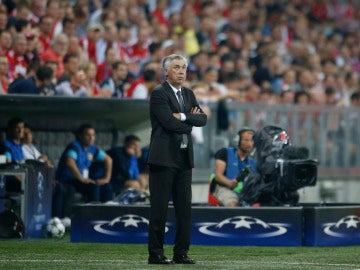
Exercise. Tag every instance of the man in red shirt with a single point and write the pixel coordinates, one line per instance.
(58, 48)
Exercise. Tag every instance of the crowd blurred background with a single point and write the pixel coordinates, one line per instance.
(295, 51)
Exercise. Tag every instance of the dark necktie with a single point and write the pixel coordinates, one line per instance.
(181, 101)
(182, 109)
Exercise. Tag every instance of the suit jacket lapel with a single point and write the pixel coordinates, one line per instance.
(172, 94)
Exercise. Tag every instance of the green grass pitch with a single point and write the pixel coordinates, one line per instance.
(62, 254)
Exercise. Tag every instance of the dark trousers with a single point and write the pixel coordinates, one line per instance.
(166, 182)
(64, 196)
(62, 200)
(92, 192)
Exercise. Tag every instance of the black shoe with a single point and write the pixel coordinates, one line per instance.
(183, 259)
(159, 259)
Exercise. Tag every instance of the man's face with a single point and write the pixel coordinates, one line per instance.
(88, 137)
(134, 149)
(247, 142)
(73, 65)
(176, 73)
(4, 65)
(27, 138)
(121, 72)
(20, 46)
(18, 131)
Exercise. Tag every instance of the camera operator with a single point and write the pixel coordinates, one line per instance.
(232, 165)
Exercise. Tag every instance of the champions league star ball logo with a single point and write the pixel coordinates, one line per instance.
(123, 225)
(348, 226)
(243, 227)
(126, 226)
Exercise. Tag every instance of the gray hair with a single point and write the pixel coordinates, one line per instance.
(61, 36)
(168, 59)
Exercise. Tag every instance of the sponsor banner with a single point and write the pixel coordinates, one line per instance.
(38, 199)
(277, 226)
(265, 226)
(110, 224)
(332, 225)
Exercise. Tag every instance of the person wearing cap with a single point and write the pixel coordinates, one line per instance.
(231, 166)
(94, 34)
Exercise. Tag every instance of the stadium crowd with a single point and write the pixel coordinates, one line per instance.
(296, 51)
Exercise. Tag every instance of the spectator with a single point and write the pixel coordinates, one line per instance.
(54, 66)
(108, 40)
(104, 70)
(14, 132)
(46, 24)
(58, 48)
(302, 97)
(21, 12)
(16, 56)
(229, 163)
(143, 90)
(32, 52)
(150, 65)
(5, 41)
(139, 50)
(71, 65)
(36, 11)
(118, 84)
(22, 26)
(12, 149)
(73, 171)
(77, 86)
(81, 17)
(68, 26)
(124, 35)
(91, 85)
(53, 10)
(4, 72)
(3, 21)
(188, 31)
(126, 172)
(75, 48)
(38, 84)
(92, 41)
(29, 149)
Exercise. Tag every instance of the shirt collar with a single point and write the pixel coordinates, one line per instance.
(173, 88)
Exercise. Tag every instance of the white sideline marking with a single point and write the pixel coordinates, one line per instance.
(199, 261)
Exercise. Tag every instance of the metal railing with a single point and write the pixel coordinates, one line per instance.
(332, 134)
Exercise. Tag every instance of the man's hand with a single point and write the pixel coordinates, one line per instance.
(102, 181)
(195, 110)
(232, 184)
(88, 181)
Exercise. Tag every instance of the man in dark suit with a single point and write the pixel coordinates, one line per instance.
(173, 112)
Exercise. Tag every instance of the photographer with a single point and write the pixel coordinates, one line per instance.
(231, 168)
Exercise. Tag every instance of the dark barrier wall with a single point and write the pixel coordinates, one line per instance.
(66, 114)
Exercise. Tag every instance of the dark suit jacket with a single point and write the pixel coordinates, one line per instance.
(166, 134)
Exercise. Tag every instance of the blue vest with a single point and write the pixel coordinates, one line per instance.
(83, 161)
(234, 166)
(14, 151)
